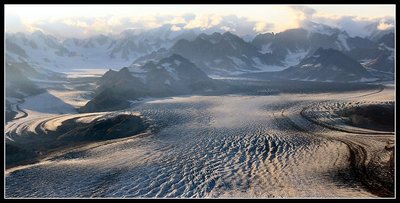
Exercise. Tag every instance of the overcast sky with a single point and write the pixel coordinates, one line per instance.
(86, 20)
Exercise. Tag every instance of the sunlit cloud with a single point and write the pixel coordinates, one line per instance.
(204, 22)
(303, 12)
(353, 25)
(86, 20)
(385, 25)
(261, 27)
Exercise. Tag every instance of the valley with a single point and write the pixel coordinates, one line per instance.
(232, 145)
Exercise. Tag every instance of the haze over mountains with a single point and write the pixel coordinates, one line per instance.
(41, 49)
(164, 61)
(216, 53)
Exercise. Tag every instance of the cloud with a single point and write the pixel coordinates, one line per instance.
(275, 20)
(239, 25)
(215, 23)
(228, 29)
(261, 27)
(177, 20)
(356, 26)
(85, 26)
(204, 22)
(353, 25)
(15, 23)
(176, 28)
(304, 12)
(385, 25)
(76, 23)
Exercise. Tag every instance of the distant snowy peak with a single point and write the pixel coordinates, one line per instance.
(172, 69)
(168, 76)
(215, 53)
(44, 39)
(131, 32)
(135, 43)
(38, 42)
(98, 44)
(42, 50)
(225, 53)
(313, 27)
(293, 45)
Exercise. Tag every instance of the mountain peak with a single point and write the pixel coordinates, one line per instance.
(319, 28)
(327, 65)
(38, 33)
(124, 70)
(227, 33)
(230, 35)
(203, 36)
(216, 34)
(131, 32)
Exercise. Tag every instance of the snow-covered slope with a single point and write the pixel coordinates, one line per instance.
(328, 65)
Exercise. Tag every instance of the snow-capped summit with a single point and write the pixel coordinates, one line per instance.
(313, 27)
(46, 51)
(293, 45)
(217, 53)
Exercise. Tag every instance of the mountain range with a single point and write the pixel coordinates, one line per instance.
(215, 53)
(44, 50)
(165, 62)
(173, 75)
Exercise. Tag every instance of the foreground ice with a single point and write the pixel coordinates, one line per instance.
(205, 146)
